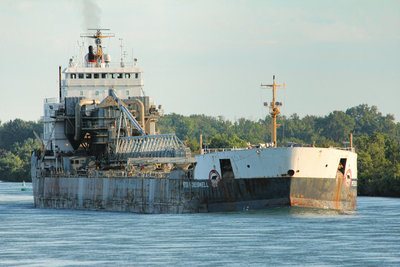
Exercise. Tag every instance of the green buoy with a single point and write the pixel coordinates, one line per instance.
(24, 187)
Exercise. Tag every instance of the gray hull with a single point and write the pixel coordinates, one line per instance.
(185, 195)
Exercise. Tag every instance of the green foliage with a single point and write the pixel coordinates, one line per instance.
(15, 164)
(298, 130)
(225, 141)
(11, 167)
(337, 126)
(24, 152)
(16, 146)
(17, 131)
(192, 143)
(368, 119)
(250, 131)
(193, 126)
(378, 165)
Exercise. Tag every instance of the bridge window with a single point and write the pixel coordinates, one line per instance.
(127, 75)
(113, 75)
(81, 76)
(104, 75)
(96, 75)
(73, 75)
(88, 76)
(119, 76)
(136, 75)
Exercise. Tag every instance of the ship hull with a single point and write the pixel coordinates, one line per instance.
(185, 195)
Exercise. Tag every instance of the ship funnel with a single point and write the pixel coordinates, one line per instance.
(91, 57)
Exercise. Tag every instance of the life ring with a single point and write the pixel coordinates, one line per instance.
(214, 178)
(347, 178)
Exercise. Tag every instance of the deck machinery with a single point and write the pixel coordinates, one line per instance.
(91, 128)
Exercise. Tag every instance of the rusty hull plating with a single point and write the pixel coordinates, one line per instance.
(179, 193)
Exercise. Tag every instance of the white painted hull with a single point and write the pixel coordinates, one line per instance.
(310, 162)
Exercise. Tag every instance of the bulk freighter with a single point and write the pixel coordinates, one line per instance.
(101, 151)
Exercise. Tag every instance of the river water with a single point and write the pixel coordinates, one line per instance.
(369, 236)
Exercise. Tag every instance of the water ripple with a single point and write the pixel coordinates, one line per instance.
(369, 236)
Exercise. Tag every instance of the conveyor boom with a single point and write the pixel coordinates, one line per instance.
(127, 113)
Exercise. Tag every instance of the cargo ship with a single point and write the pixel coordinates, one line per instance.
(101, 150)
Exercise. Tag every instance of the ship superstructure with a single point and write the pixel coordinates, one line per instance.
(92, 95)
(102, 151)
(92, 76)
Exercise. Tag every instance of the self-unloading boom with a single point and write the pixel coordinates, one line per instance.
(162, 145)
(127, 113)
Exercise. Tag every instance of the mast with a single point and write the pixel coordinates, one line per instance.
(274, 109)
(98, 36)
(59, 83)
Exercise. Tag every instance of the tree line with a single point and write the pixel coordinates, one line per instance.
(376, 139)
(17, 141)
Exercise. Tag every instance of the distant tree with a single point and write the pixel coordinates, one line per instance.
(253, 132)
(192, 143)
(219, 141)
(225, 141)
(388, 126)
(193, 125)
(378, 165)
(24, 152)
(337, 126)
(369, 120)
(17, 131)
(302, 130)
(16, 145)
(235, 141)
(11, 167)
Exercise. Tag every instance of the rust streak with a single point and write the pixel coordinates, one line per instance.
(337, 192)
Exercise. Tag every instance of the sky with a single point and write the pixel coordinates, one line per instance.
(210, 57)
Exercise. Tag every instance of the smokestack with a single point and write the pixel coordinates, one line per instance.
(91, 57)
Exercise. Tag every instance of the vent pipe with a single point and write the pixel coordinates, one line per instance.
(59, 82)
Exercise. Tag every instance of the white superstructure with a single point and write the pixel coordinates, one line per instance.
(93, 81)
(92, 76)
(89, 78)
